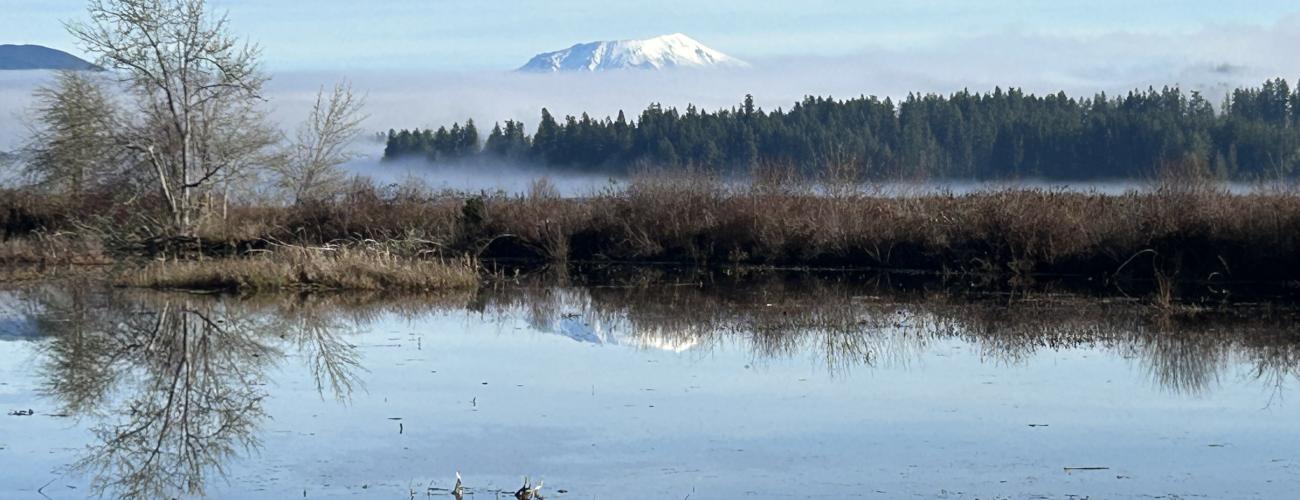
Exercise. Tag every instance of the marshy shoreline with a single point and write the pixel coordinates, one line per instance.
(1169, 241)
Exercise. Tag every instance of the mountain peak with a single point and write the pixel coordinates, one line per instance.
(674, 36)
(28, 57)
(674, 50)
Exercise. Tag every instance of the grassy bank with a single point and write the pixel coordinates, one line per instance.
(298, 268)
(1172, 233)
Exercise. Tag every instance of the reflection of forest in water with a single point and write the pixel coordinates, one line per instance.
(848, 325)
(173, 384)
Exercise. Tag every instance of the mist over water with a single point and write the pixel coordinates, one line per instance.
(16, 89)
(1211, 60)
(480, 177)
(429, 100)
(475, 177)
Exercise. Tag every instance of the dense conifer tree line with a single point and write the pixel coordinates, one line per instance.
(1254, 132)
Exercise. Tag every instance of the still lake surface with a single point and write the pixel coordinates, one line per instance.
(771, 388)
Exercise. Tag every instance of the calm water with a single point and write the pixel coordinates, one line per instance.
(768, 389)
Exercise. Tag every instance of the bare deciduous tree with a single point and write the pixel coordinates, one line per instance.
(196, 90)
(309, 168)
(72, 148)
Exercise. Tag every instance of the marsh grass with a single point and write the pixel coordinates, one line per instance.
(314, 268)
(1207, 233)
(1178, 222)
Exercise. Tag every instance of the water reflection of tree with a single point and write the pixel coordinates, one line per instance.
(174, 383)
(320, 335)
(197, 402)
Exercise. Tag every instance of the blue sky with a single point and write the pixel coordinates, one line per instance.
(481, 35)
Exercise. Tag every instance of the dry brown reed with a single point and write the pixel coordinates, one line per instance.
(316, 268)
(1196, 229)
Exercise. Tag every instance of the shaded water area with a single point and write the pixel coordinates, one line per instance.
(768, 386)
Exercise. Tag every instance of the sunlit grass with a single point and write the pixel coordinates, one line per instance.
(326, 268)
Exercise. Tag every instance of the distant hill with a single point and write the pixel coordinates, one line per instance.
(38, 57)
(667, 51)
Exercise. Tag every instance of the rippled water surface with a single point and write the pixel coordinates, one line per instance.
(766, 389)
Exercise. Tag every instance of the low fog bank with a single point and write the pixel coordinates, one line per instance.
(480, 177)
(518, 179)
(16, 89)
(1211, 60)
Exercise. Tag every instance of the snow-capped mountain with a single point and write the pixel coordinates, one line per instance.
(667, 51)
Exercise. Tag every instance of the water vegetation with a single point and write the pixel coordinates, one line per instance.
(1169, 237)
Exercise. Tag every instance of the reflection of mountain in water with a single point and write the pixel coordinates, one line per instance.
(14, 325)
(849, 325)
(570, 316)
(174, 385)
(16, 329)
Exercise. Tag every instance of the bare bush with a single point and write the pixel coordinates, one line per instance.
(309, 168)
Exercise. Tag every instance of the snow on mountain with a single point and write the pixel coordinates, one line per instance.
(667, 51)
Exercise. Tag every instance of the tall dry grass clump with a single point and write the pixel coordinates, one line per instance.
(316, 268)
(364, 210)
(1188, 230)
(536, 224)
